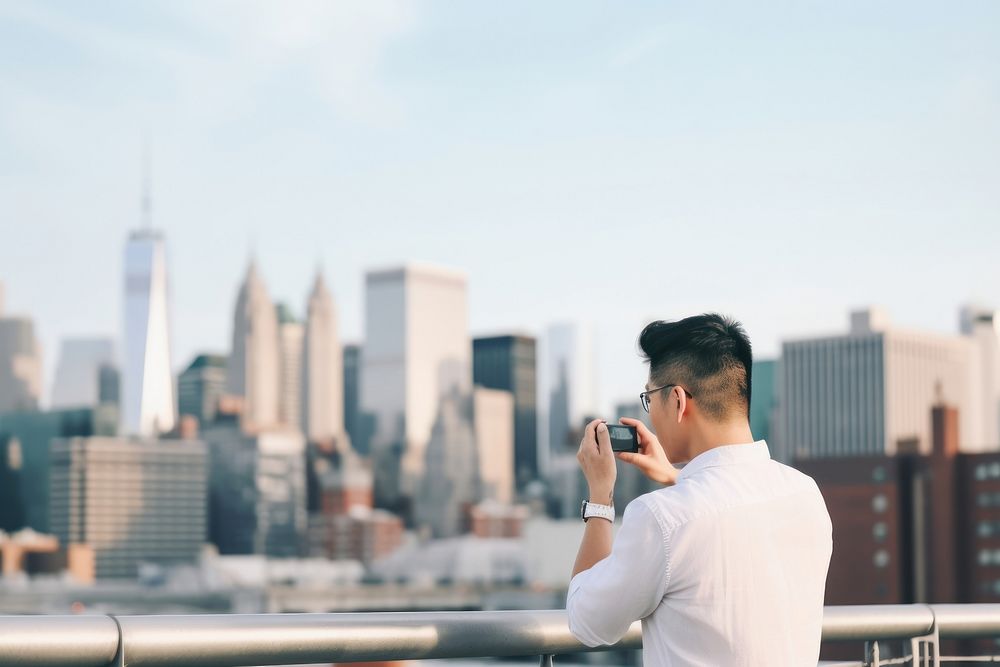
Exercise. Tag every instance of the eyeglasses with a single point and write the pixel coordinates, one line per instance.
(644, 396)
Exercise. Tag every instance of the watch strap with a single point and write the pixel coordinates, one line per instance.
(589, 510)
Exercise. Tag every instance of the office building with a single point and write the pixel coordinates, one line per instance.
(359, 425)
(509, 363)
(451, 483)
(567, 387)
(33, 431)
(322, 368)
(493, 419)
(764, 405)
(200, 386)
(290, 370)
(20, 362)
(131, 501)
(253, 370)
(869, 392)
(147, 392)
(77, 379)
(416, 351)
(982, 327)
(257, 490)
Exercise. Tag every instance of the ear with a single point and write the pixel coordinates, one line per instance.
(677, 394)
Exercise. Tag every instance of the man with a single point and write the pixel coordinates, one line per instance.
(727, 564)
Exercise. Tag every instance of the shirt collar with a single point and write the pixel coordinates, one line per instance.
(726, 455)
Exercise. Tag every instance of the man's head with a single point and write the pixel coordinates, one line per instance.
(703, 364)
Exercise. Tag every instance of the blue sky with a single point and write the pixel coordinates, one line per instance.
(780, 161)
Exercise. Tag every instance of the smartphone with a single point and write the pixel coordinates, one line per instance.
(623, 438)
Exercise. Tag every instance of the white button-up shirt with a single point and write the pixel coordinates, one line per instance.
(726, 567)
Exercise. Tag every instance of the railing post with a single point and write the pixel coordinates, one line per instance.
(871, 654)
(546, 661)
(925, 649)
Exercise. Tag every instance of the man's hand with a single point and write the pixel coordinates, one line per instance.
(651, 459)
(598, 462)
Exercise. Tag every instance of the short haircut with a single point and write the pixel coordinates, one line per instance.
(708, 355)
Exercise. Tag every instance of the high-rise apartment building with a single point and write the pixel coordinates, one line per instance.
(869, 392)
(322, 368)
(77, 379)
(131, 501)
(416, 351)
(253, 370)
(147, 397)
(20, 363)
(200, 386)
(509, 363)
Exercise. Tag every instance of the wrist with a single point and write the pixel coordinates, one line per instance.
(600, 496)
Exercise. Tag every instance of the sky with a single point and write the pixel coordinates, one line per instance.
(599, 162)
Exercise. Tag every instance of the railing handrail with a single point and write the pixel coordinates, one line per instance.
(234, 640)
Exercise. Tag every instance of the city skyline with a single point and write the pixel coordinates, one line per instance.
(366, 135)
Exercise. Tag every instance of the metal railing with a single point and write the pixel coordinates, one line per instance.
(237, 640)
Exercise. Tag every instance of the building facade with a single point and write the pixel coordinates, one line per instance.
(509, 363)
(131, 501)
(869, 392)
(147, 392)
(77, 379)
(416, 351)
(493, 418)
(253, 370)
(257, 491)
(322, 368)
(20, 363)
(200, 386)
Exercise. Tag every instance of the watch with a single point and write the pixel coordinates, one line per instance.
(589, 509)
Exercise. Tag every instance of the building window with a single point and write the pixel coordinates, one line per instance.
(878, 474)
(995, 470)
(880, 503)
(881, 558)
(984, 528)
(879, 531)
(981, 472)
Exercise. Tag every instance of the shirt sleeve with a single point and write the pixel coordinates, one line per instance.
(605, 600)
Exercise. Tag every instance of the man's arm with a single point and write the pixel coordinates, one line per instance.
(598, 463)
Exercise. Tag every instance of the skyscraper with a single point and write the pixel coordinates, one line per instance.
(147, 400)
(290, 339)
(77, 379)
(359, 425)
(450, 484)
(568, 386)
(416, 351)
(253, 365)
(508, 363)
(200, 386)
(322, 368)
(20, 363)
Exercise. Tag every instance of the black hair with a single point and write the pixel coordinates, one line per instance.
(708, 355)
